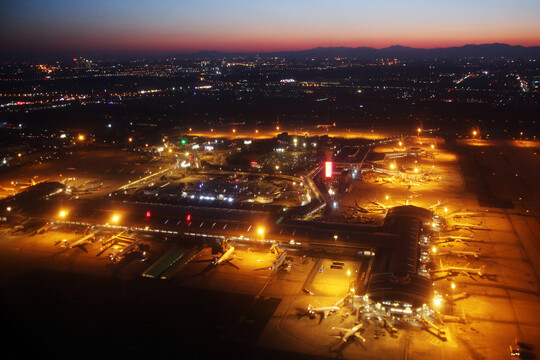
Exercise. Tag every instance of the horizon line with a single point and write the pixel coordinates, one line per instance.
(162, 53)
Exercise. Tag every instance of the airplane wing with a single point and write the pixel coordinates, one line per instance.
(340, 328)
(82, 247)
(359, 336)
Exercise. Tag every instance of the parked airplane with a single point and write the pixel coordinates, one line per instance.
(382, 206)
(432, 328)
(345, 334)
(82, 242)
(388, 326)
(225, 256)
(464, 214)
(469, 227)
(436, 205)
(118, 255)
(280, 261)
(475, 254)
(324, 310)
(44, 228)
(359, 208)
(451, 238)
(465, 270)
(459, 296)
(460, 239)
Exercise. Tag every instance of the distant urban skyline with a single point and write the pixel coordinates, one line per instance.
(101, 28)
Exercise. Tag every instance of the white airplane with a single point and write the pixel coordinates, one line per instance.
(465, 270)
(469, 227)
(450, 238)
(382, 206)
(432, 328)
(79, 243)
(281, 256)
(117, 255)
(324, 310)
(280, 260)
(451, 318)
(464, 214)
(436, 205)
(44, 228)
(345, 334)
(227, 252)
(388, 326)
(475, 254)
(459, 296)
(459, 239)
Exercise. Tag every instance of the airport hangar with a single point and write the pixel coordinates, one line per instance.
(394, 246)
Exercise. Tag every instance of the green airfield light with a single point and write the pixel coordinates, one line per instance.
(183, 141)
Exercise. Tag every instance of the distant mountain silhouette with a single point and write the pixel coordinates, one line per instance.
(489, 51)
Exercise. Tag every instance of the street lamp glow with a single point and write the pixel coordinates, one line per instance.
(62, 214)
(474, 132)
(415, 170)
(260, 231)
(115, 218)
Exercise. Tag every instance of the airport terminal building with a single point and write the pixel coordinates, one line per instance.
(394, 246)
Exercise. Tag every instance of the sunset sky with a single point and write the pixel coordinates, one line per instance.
(112, 27)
